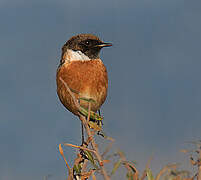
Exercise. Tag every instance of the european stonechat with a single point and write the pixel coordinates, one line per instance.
(83, 71)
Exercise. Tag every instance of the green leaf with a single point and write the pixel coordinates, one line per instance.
(132, 168)
(90, 158)
(130, 165)
(129, 175)
(87, 99)
(149, 175)
(77, 169)
(93, 115)
(94, 125)
(116, 166)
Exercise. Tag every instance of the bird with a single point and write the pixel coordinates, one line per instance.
(83, 71)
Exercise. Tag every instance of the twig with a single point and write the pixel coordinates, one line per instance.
(109, 146)
(67, 165)
(85, 145)
(89, 109)
(93, 176)
(94, 146)
(90, 136)
(70, 92)
(79, 147)
(129, 165)
(164, 169)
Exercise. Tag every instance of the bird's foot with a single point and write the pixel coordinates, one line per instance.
(95, 121)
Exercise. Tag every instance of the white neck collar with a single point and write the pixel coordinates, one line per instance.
(76, 56)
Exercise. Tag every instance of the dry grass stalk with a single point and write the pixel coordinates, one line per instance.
(95, 148)
(79, 147)
(67, 165)
(144, 174)
(129, 166)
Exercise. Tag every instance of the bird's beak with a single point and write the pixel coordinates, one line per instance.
(104, 45)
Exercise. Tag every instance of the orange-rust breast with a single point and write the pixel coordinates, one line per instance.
(88, 78)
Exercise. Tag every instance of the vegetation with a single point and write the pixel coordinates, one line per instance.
(90, 163)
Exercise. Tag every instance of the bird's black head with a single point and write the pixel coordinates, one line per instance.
(88, 44)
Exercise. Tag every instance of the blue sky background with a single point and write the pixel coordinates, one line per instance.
(154, 100)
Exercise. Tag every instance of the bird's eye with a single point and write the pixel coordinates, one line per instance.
(87, 42)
